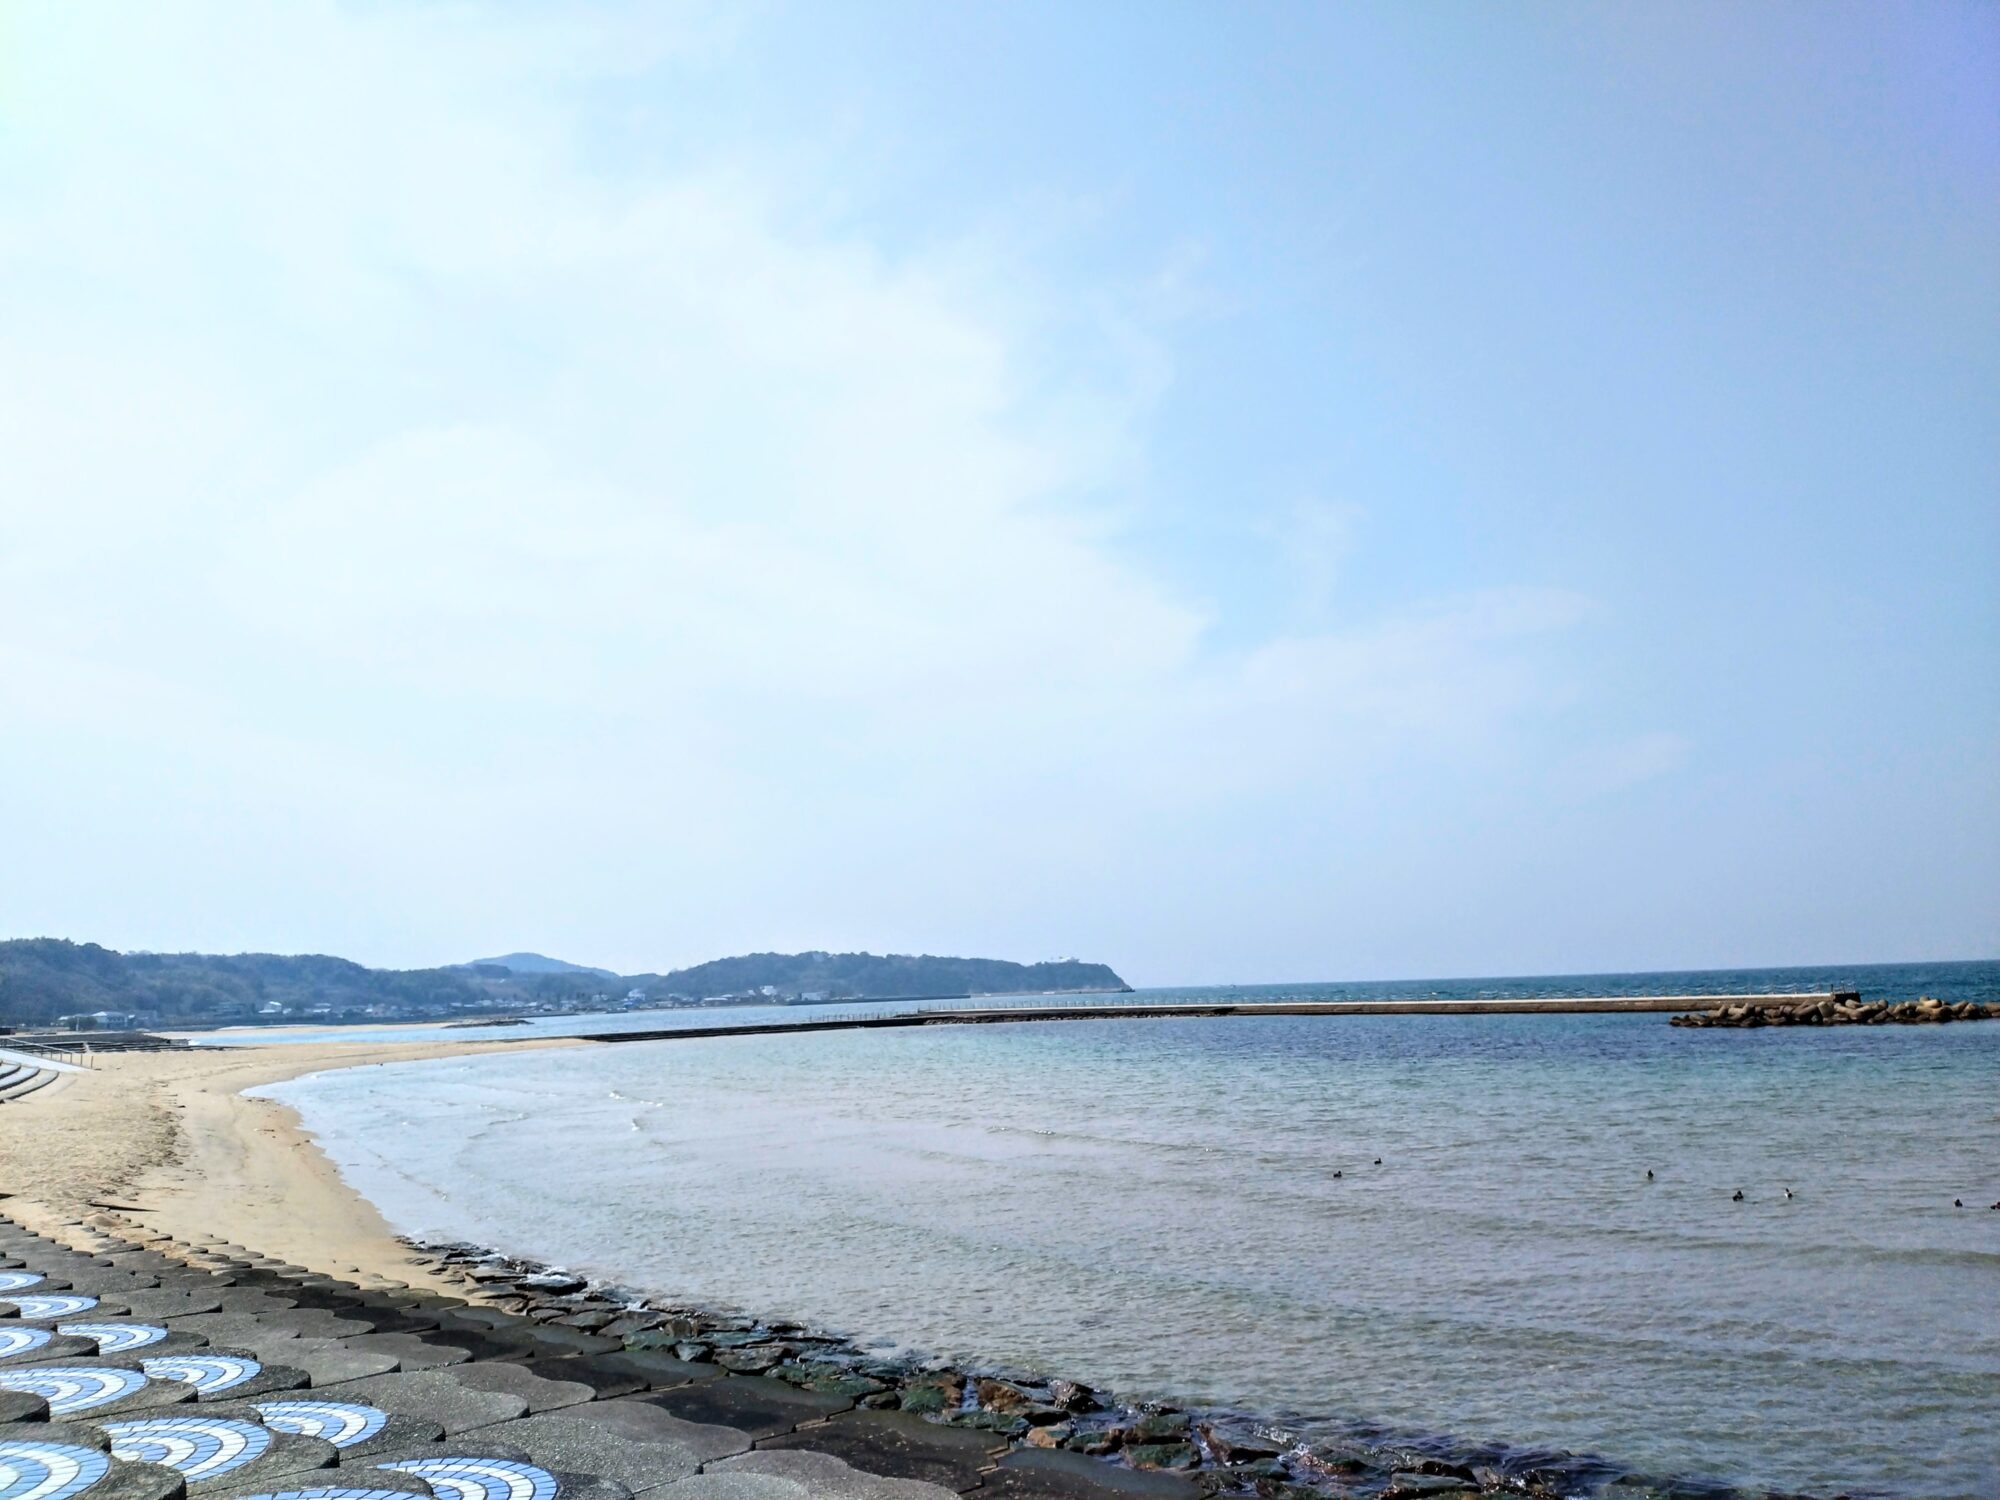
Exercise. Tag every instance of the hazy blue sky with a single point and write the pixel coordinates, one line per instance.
(1241, 492)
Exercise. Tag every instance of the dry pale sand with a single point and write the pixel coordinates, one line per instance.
(170, 1135)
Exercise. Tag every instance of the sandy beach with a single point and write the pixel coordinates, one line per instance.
(170, 1135)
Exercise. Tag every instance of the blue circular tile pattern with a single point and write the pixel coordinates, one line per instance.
(198, 1447)
(67, 1306)
(115, 1338)
(48, 1471)
(15, 1281)
(341, 1423)
(207, 1373)
(73, 1388)
(479, 1478)
(21, 1340)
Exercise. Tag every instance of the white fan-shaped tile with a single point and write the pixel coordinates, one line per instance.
(207, 1373)
(116, 1338)
(48, 1471)
(341, 1423)
(199, 1447)
(54, 1305)
(73, 1388)
(480, 1478)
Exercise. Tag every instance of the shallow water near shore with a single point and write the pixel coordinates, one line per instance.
(1192, 1209)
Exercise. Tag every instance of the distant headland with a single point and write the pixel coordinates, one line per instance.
(53, 981)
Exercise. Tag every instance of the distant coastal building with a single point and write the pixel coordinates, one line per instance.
(100, 1020)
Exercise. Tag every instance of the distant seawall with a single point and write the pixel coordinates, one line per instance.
(997, 1015)
(1100, 989)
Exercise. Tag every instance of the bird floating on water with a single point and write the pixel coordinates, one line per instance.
(1649, 1174)
(1378, 1161)
(1958, 1203)
(1738, 1198)
(1788, 1192)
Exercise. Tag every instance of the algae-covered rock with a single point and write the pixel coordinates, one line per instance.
(998, 1395)
(1159, 1427)
(1162, 1455)
(985, 1421)
(828, 1380)
(1095, 1441)
(1072, 1395)
(934, 1393)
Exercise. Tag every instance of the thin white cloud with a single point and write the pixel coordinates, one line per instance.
(1604, 769)
(362, 420)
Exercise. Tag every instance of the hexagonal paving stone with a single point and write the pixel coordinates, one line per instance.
(56, 1460)
(897, 1445)
(824, 1477)
(239, 1299)
(220, 1374)
(114, 1336)
(1052, 1474)
(566, 1440)
(362, 1484)
(410, 1351)
(331, 1362)
(211, 1451)
(157, 1307)
(228, 1328)
(479, 1343)
(606, 1382)
(476, 1317)
(304, 1297)
(660, 1370)
(22, 1406)
(553, 1338)
(355, 1428)
(433, 1395)
(27, 1344)
(540, 1393)
(100, 1282)
(639, 1421)
(93, 1388)
(50, 1307)
(476, 1468)
(749, 1403)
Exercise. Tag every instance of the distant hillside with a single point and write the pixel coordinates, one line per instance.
(854, 974)
(42, 978)
(535, 963)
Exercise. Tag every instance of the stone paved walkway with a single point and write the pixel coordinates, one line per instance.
(137, 1368)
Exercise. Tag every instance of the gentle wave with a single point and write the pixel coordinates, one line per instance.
(1151, 1205)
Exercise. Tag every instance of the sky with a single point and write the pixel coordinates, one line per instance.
(1241, 493)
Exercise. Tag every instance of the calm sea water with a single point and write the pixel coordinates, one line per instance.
(1192, 1209)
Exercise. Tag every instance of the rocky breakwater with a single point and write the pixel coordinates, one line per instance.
(1207, 1453)
(1844, 1012)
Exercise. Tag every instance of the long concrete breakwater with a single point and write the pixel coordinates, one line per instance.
(994, 1015)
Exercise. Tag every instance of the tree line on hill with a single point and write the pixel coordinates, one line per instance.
(44, 979)
(852, 975)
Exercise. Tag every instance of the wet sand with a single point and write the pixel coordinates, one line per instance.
(170, 1136)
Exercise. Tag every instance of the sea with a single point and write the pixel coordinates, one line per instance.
(1390, 1227)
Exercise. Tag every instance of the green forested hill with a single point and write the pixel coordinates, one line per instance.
(849, 974)
(42, 978)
